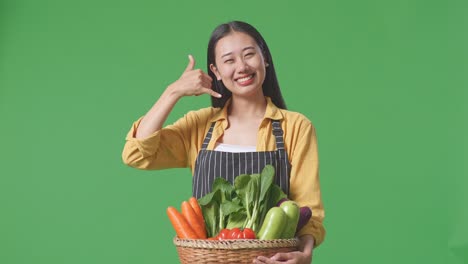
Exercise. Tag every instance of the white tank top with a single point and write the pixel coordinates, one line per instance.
(234, 148)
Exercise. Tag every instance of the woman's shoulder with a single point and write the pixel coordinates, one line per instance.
(295, 118)
(296, 125)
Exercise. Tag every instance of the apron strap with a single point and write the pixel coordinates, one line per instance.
(208, 137)
(278, 133)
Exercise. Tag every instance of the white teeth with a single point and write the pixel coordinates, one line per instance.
(245, 78)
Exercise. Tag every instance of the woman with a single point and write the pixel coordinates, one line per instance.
(247, 127)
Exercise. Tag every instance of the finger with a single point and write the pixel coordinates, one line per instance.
(191, 64)
(281, 256)
(257, 261)
(206, 84)
(262, 260)
(207, 77)
(205, 80)
(211, 92)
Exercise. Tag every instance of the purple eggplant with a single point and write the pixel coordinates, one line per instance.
(304, 216)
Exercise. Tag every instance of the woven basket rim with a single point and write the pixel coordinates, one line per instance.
(231, 244)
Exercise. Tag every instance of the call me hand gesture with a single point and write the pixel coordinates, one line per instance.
(191, 82)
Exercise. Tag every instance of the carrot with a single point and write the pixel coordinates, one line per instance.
(193, 220)
(182, 228)
(196, 207)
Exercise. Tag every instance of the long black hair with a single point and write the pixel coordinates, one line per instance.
(270, 85)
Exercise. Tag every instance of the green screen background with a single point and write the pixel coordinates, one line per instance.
(384, 83)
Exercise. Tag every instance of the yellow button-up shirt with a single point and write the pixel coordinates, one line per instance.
(177, 146)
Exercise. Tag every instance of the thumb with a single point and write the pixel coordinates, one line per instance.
(191, 64)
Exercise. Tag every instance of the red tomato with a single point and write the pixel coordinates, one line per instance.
(223, 234)
(248, 233)
(235, 233)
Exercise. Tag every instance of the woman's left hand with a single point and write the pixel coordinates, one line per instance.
(304, 256)
(295, 257)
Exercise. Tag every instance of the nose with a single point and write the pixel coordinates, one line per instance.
(242, 66)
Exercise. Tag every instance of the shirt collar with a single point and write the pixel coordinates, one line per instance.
(272, 112)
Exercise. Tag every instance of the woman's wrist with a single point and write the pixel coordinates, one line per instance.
(173, 93)
(307, 244)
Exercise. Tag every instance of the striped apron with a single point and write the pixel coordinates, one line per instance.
(211, 164)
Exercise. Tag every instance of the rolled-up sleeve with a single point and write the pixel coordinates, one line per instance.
(165, 148)
(304, 182)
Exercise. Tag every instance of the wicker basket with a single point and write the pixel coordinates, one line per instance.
(230, 251)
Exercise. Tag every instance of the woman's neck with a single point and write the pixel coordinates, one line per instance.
(247, 107)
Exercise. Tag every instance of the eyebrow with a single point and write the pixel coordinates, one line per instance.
(246, 48)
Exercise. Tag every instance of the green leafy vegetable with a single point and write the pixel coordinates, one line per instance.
(243, 205)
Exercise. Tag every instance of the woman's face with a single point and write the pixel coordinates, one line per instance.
(239, 64)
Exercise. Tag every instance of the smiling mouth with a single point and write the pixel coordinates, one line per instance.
(245, 79)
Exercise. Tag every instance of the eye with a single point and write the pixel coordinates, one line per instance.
(229, 61)
(250, 54)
